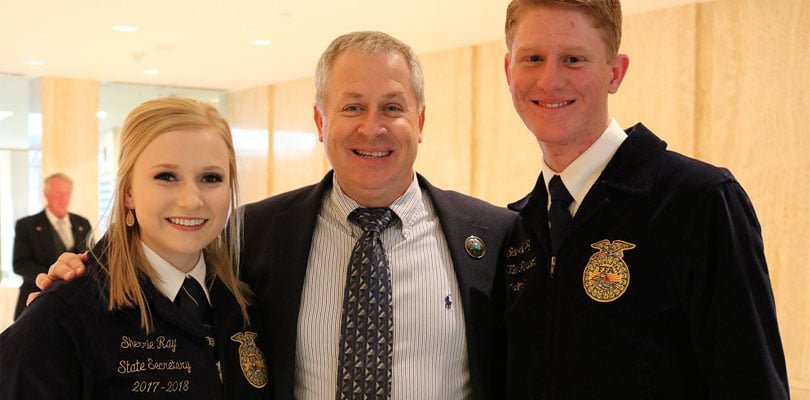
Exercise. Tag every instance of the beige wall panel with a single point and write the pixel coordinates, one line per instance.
(298, 157)
(799, 390)
(292, 108)
(445, 155)
(659, 88)
(250, 108)
(249, 112)
(506, 156)
(753, 119)
(70, 138)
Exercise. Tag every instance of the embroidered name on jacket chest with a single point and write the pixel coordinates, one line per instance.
(605, 278)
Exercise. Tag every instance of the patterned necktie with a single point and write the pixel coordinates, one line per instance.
(192, 302)
(558, 214)
(366, 339)
(65, 234)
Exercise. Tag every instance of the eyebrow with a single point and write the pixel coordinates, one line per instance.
(164, 165)
(389, 95)
(393, 95)
(175, 166)
(570, 49)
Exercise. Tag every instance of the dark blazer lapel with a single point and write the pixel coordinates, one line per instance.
(44, 237)
(475, 278)
(632, 170)
(79, 230)
(533, 209)
(457, 226)
(291, 233)
(227, 315)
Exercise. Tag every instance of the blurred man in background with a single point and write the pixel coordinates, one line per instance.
(40, 238)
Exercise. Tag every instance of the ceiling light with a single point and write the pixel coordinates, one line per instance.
(5, 114)
(260, 42)
(125, 28)
(101, 114)
(151, 71)
(35, 63)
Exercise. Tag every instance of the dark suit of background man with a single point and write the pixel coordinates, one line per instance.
(37, 238)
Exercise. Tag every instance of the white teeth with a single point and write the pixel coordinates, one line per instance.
(187, 221)
(372, 154)
(554, 105)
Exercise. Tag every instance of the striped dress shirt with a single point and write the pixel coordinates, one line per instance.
(430, 357)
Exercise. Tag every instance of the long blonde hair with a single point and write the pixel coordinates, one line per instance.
(125, 257)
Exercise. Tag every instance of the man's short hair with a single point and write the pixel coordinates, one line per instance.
(57, 175)
(371, 43)
(606, 15)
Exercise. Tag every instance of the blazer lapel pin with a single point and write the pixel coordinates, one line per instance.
(475, 247)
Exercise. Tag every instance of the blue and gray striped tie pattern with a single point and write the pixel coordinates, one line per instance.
(366, 339)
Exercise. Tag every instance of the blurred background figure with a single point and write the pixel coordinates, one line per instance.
(40, 238)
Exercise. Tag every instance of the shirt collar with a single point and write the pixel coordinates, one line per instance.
(580, 175)
(53, 218)
(408, 207)
(169, 278)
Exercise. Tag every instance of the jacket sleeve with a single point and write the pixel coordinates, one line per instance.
(39, 355)
(24, 263)
(729, 300)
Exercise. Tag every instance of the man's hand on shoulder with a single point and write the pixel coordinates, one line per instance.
(66, 267)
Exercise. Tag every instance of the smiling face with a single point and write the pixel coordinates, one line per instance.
(180, 193)
(560, 75)
(371, 126)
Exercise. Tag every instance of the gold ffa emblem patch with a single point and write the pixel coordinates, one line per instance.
(251, 359)
(606, 277)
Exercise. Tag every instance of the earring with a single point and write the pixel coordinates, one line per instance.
(130, 219)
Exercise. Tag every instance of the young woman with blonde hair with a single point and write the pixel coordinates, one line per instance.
(161, 313)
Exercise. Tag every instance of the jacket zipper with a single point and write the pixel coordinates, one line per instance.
(552, 266)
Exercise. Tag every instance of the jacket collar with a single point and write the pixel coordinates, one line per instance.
(631, 170)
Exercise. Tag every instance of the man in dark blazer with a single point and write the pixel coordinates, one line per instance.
(275, 259)
(369, 113)
(635, 272)
(37, 238)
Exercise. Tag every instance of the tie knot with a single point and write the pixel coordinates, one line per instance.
(372, 219)
(559, 194)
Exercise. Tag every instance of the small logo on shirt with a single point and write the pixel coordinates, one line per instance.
(606, 277)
